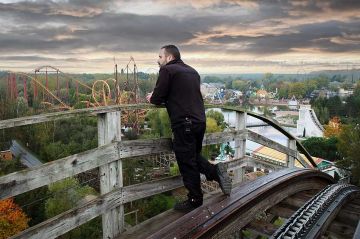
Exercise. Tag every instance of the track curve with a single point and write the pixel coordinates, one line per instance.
(220, 220)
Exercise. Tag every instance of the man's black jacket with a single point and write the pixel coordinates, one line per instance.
(178, 87)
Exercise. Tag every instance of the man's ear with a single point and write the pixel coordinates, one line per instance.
(170, 57)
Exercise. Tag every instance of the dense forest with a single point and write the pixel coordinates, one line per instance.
(58, 139)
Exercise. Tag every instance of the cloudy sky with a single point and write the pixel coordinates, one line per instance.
(214, 36)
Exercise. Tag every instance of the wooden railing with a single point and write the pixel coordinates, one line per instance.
(108, 158)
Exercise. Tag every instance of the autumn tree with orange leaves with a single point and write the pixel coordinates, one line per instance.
(12, 219)
(333, 128)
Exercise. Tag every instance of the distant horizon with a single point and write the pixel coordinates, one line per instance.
(344, 71)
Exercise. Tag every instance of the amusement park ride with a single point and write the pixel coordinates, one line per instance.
(55, 90)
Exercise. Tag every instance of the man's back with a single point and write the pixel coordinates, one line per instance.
(178, 87)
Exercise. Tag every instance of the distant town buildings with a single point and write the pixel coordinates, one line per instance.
(342, 93)
(325, 93)
(210, 88)
(261, 93)
(217, 93)
(293, 103)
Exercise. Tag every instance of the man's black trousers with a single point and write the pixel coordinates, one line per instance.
(187, 145)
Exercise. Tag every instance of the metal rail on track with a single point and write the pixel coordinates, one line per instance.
(309, 221)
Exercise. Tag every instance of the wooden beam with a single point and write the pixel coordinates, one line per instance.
(35, 119)
(282, 210)
(75, 217)
(270, 143)
(224, 137)
(296, 201)
(262, 227)
(342, 228)
(19, 182)
(68, 114)
(240, 146)
(109, 129)
(351, 217)
(290, 160)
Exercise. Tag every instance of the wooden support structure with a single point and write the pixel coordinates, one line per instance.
(262, 228)
(260, 139)
(111, 178)
(77, 216)
(108, 158)
(240, 146)
(290, 158)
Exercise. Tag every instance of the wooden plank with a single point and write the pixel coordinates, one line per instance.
(351, 217)
(151, 225)
(262, 227)
(109, 129)
(251, 161)
(240, 146)
(67, 114)
(337, 235)
(290, 160)
(133, 148)
(35, 119)
(282, 210)
(224, 137)
(342, 228)
(19, 182)
(296, 201)
(75, 217)
(154, 224)
(270, 143)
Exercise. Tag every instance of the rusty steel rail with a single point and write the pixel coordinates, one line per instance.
(210, 221)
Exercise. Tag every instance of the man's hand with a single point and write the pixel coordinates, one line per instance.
(148, 96)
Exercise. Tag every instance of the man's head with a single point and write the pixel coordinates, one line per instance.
(168, 53)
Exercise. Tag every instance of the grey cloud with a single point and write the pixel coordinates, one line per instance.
(37, 58)
(112, 32)
(25, 58)
(340, 5)
(34, 43)
(64, 27)
(74, 8)
(317, 35)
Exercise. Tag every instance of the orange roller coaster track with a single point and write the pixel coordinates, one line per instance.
(36, 83)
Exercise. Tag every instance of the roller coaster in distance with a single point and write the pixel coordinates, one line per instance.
(50, 89)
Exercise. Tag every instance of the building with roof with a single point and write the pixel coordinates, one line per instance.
(277, 158)
(261, 93)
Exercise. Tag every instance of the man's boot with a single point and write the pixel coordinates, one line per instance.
(223, 178)
(187, 205)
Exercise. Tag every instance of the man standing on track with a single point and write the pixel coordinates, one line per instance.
(178, 88)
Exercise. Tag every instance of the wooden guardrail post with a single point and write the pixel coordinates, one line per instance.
(109, 129)
(240, 146)
(290, 160)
